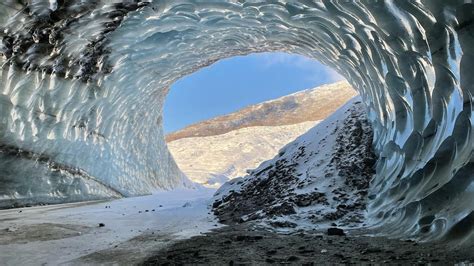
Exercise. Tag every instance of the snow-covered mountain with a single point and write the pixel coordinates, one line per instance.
(252, 135)
(320, 179)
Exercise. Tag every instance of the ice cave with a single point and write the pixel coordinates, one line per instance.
(83, 83)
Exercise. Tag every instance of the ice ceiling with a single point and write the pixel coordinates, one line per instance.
(83, 84)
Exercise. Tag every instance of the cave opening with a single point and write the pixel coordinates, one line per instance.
(83, 83)
(227, 118)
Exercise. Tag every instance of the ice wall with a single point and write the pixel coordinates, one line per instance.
(83, 84)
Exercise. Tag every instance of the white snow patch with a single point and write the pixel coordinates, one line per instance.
(213, 160)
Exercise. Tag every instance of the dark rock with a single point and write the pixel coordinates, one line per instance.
(284, 224)
(293, 258)
(101, 224)
(372, 250)
(247, 238)
(216, 203)
(334, 231)
(311, 198)
(271, 252)
(285, 208)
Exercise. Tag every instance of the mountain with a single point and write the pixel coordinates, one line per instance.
(216, 150)
(308, 105)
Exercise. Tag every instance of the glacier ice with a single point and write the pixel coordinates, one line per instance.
(83, 84)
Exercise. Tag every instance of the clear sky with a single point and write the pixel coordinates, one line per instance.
(234, 83)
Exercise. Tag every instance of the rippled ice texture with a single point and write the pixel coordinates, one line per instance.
(83, 85)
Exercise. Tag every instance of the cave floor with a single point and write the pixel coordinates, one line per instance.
(245, 245)
(123, 232)
(178, 228)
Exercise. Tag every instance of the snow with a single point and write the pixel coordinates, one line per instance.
(68, 232)
(213, 160)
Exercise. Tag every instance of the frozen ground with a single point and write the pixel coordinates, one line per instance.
(133, 227)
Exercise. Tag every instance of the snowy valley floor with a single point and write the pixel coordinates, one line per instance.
(70, 234)
(123, 231)
(181, 231)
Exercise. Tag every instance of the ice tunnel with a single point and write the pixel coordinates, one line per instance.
(83, 82)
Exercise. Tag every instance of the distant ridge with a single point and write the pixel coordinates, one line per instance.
(308, 105)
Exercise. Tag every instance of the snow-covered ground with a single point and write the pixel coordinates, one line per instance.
(133, 227)
(213, 160)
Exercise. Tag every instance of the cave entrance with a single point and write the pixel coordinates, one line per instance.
(237, 113)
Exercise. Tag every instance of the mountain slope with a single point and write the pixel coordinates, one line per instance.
(213, 160)
(308, 105)
(320, 178)
(252, 135)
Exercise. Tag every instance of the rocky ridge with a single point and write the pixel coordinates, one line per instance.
(321, 178)
(307, 105)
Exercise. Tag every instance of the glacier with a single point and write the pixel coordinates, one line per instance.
(83, 82)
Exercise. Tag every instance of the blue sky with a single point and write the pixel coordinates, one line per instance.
(234, 83)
